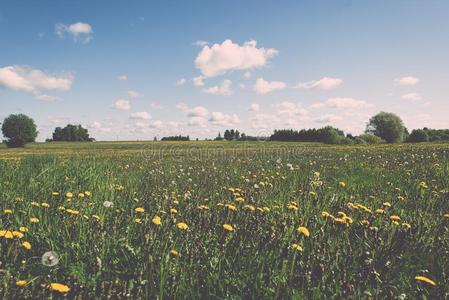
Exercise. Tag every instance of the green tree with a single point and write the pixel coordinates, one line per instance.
(71, 133)
(418, 136)
(387, 126)
(19, 130)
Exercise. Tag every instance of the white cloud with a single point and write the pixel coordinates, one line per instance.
(156, 105)
(346, 102)
(157, 124)
(408, 80)
(201, 43)
(198, 81)
(197, 111)
(325, 83)
(221, 58)
(180, 81)
(34, 81)
(122, 104)
(330, 118)
(264, 121)
(197, 121)
(122, 77)
(133, 94)
(48, 98)
(221, 119)
(142, 115)
(290, 109)
(223, 89)
(79, 31)
(247, 75)
(254, 107)
(263, 87)
(413, 97)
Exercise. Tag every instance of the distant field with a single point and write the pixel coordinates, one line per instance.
(225, 220)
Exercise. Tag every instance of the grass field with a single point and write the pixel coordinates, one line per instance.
(224, 220)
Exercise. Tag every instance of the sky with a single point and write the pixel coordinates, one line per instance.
(132, 70)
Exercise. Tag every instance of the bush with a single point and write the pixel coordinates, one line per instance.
(368, 139)
(418, 136)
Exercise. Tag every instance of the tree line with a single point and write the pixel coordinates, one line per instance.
(19, 129)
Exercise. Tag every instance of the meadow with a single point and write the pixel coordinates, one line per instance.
(224, 220)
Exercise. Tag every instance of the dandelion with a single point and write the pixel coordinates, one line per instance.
(139, 210)
(59, 287)
(21, 283)
(203, 207)
(87, 193)
(6, 234)
(156, 220)
(249, 207)
(69, 195)
(379, 211)
(45, 204)
(423, 185)
(303, 230)
(182, 226)
(342, 184)
(26, 245)
(108, 204)
(50, 259)
(395, 218)
(386, 204)
(80, 195)
(138, 221)
(23, 229)
(446, 216)
(406, 225)
(173, 211)
(312, 193)
(426, 280)
(228, 227)
(364, 222)
(17, 234)
(174, 253)
(55, 194)
(231, 207)
(7, 211)
(297, 247)
(325, 214)
(34, 220)
(72, 212)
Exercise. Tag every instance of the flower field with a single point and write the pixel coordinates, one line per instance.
(224, 220)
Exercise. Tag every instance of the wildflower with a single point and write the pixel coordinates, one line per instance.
(406, 225)
(182, 226)
(446, 215)
(68, 195)
(203, 207)
(17, 234)
(34, 220)
(23, 229)
(312, 193)
(174, 253)
(7, 211)
(303, 230)
(364, 222)
(240, 199)
(156, 220)
(423, 185)
(21, 283)
(59, 287)
(45, 204)
(228, 227)
(96, 217)
(139, 210)
(386, 204)
(138, 221)
(55, 194)
(325, 214)
(6, 234)
(379, 211)
(26, 245)
(266, 209)
(426, 280)
(231, 207)
(297, 247)
(342, 184)
(173, 211)
(80, 195)
(108, 204)
(249, 207)
(72, 212)
(50, 259)
(35, 203)
(395, 218)
(87, 193)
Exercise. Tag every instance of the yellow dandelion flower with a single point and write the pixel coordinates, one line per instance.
(156, 220)
(80, 195)
(426, 280)
(55, 194)
(312, 193)
(395, 218)
(423, 185)
(7, 235)
(231, 207)
(240, 199)
(21, 283)
(59, 287)
(68, 195)
(35, 203)
(386, 204)
(406, 225)
(7, 211)
(446, 216)
(34, 220)
(87, 193)
(292, 206)
(325, 214)
(342, 184)
(174, 253)
(249, 207)
(182, 226)
(26, 245)
(228, 227)
(379, 211)
(173, 211)
(45, 204)
(138, 221)
(72, 212)
(139, 210)
(303, 230)
(297, 247)
(266, 209)
(17, 234)
(202, 207)
(23, 229)
(364, 222)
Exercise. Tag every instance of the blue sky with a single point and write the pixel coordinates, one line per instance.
(136, 69)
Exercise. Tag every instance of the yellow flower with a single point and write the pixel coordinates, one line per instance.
(173, 211)
(23, 229)
(203, 207)
(7, 211)
(69, 195)
(325, 214)
(182, 226)
(446, 215)
(342, 184)
(365, 222)
(26, 245)
(59, 287)
(72, 212)
(35, 203)
(55, 194)
(34, 220)
(380, 211)
(395, 218)
(80, 195)
(249, 207)
(6, 234)
(297, 247)
(139, 210)
(292, 206)
(426, 280)
(138, 221)
(312, 193)
(17, 234)
(423, 185)
(303, 230)
(228, 227)
(87, 193)
(21, 283)
(156, 220)
(45, 204)
(406, 225)
(174, 253)
(387, 204)
(231, 207)
(240, 199)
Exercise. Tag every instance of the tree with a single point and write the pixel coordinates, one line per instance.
(19, 130)
(368, 139)
(71, 133)
(418, 136)
(387, 126)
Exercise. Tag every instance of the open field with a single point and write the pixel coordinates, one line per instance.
(225, 220)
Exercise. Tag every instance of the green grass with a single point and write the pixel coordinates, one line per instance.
(104, 252)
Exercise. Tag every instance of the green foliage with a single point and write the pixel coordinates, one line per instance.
(19, 130)
(327, 135)
(176, 138)
(71, 133)
(387, 126)
(418, 136)
(368, 139)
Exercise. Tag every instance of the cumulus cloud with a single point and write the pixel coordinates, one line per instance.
(325, 83)
(254, 107)
(290, 109)
(247, 75)
(341, 102)
(224, 89)
(121, 104)
(122, 77)
(197, 121)
(133, 94)
(141, 115)
(263, 87)
(264, 121)
(198, 81)
(407, 80)
(180, 81)
(34, 81)
(330, 118)
(413, 97)
(227, 56)
(78, 31)
(221, 119)
(197, 111)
